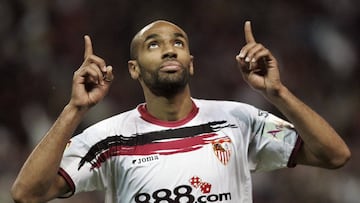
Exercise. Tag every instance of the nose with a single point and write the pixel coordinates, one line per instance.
(169, 52)
(169, 55)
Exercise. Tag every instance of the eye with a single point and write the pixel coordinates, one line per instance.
(179, 43)
(153, 45)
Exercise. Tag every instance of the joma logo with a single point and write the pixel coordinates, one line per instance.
(146, 159)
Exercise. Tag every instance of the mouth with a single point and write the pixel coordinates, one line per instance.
(170, 66)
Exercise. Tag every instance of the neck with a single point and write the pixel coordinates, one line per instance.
(169, 108)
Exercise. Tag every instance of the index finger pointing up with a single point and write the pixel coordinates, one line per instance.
(88, 47)
(249, 37)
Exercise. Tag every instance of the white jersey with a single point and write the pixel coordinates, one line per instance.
(206, 157)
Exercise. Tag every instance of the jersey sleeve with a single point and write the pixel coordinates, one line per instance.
(80, 174)
(274, 142)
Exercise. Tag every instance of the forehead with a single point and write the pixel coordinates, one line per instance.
(156, 29)
(161, 28)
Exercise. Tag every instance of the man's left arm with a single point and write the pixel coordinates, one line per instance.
(322, 146)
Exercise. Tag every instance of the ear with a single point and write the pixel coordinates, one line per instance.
(191, 67)
(133, 69)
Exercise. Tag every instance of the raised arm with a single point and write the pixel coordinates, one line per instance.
(322, 147)
(38, 180)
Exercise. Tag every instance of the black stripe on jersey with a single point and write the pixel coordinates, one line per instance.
(151, 137)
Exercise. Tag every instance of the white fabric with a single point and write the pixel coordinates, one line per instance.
(207, 157)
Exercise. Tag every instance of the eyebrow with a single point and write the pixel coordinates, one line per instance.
(154, 36)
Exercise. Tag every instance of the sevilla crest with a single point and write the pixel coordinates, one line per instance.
(222, 150)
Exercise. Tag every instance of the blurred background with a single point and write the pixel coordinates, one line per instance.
(316, 43)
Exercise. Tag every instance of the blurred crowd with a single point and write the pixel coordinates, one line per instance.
(315, 42)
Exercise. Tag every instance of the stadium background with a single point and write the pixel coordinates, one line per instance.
(316, 43)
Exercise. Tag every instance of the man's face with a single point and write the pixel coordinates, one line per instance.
(163, 58)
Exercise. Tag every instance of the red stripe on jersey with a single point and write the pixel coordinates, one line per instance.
(69, 182)
(163, 148)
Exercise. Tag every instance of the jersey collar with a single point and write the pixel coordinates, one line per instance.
(149, 118)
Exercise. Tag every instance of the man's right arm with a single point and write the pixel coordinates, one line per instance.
(38, 180)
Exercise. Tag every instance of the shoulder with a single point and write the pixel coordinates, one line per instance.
(227, 110)
(108, 127)
(224, 105)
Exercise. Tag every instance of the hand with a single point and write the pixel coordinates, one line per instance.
(92, 80)
(258, 66)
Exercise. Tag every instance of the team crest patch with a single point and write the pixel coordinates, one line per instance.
(222, 149)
